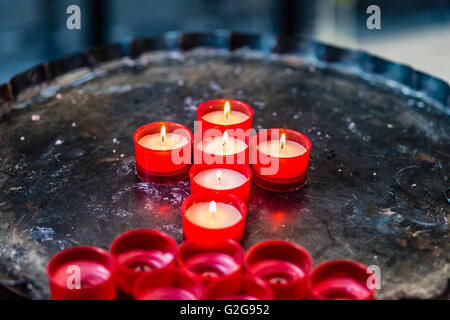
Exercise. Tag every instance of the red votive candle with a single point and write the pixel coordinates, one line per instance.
(213, 217)
(247, 287)
(340, 280)
(280, 159)
(210, 261)
(221, 115)
(141, 251)
(163, 152)
(168, 284)
(220, 149)
(213, 179)
(283, 265)
(82, 273)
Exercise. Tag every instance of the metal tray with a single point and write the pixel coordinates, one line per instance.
(379, 162)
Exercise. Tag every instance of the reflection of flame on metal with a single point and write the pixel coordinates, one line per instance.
(163, 133)
(163, 209)
(225, 138)
(282, 141)
(218, 174)
(226, 109)
(278, 219)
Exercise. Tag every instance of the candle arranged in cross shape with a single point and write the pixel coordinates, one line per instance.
(163, 140)
(212, 217)
(216, 178)
(163, 152)
(222, 149)
(220, 179)
(227, 116)
(281, 148)
(222, 145)
(224, 115)
(280, 159)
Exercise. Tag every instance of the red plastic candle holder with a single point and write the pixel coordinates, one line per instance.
(192, 230)
(163, 166)
(82, 273)
(280, 174)
(242, 191)
(340, 280)
(283, 265)
(222, 259)
(218, 105)
(246, 287)
(168, 284)
(141, 251)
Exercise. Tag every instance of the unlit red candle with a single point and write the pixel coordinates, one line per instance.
(225, 117)
(163, 141)
(281, 148)
(222, 146)
(213, 215)
(220, 179)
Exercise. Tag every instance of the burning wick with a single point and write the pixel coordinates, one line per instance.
(282, 141)
(163, 133)
(212, 211)
(226, 109)
(219, 175)
(225, 139)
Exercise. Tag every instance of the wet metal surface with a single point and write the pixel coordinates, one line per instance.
(379, 167)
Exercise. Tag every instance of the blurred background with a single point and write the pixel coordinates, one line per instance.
(416, 32)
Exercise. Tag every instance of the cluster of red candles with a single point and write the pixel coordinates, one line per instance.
(217, 161)
(147, 265)
(210, 264)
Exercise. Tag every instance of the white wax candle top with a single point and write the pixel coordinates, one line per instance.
(217, 146)
(289, 150)
(219, 117)
(225, 215)
(226, 179)
(155, 142)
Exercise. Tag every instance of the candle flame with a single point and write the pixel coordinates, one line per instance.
(282, 141)
(163, 133)
(212, 207)
(225, 138)
(218, 174)
(226, 109)
(212, 211)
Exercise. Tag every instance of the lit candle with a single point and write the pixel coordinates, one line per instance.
(220, 179)
(280, 162)
(227, 116)
(163, 152)
(222, 146)
(281, 148)
(213, 179)
(224, 115)
(163, 140)
(212, 217)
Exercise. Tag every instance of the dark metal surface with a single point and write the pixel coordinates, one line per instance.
(379, 159)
